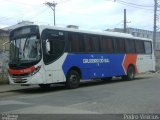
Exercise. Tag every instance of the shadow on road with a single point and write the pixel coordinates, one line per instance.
(61, 87)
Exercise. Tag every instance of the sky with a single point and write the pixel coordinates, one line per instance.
(87, 14)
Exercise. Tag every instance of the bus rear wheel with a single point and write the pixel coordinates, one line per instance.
(73, 79)
(130, 73)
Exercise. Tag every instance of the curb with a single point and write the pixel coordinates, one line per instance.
(2, 82)
(6, 81)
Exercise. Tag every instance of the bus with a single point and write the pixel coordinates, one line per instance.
(45, 55)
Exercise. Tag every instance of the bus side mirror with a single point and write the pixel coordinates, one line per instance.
(48, 47)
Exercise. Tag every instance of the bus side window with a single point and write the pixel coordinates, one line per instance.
(75, 42)
(130, 46)
(88, 44)
(140, 47)
(148, 47)
(95, 44)
(119, 44)
(53, 44)
(106, 45)
(57, 47)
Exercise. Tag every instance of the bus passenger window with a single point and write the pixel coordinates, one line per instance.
(119, 45)
(130, 46)
(54, 45)
(106, 45)
(95, 44)
(57, 47)
(75, 42)
(88, 44)
(148, 47)
(140, 47)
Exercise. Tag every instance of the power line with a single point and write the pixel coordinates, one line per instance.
(38, 14)
(134, 4)
(20, 3)
(63, 1)
(139, 6)
(9, 18)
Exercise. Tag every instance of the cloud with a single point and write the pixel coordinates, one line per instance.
(88, 14)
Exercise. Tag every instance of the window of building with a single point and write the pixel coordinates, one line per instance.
(133, 33)
(143, 35)
(130, 46)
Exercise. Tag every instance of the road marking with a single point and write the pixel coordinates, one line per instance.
(45, 109)
(11, 102)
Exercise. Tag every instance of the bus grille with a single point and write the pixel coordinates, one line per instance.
(19, 80)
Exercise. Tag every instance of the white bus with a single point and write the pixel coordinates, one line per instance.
(45, 55)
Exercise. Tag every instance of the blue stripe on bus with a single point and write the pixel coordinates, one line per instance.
(95, 65)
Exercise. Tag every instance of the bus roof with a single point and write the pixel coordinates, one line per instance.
(105, 33)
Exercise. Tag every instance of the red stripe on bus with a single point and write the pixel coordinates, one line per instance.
(130, 59)
(22, 71)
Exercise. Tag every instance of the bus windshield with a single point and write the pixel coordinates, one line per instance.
(25, 50)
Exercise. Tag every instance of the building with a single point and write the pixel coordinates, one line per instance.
(4, 37)
(4, 33)
(140, 33)
(73, 26)
(23, 23)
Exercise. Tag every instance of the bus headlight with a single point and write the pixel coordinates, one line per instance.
(36, 70)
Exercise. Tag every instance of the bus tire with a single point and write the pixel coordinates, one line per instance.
(73, 79)
(130, 73)
(44, 86)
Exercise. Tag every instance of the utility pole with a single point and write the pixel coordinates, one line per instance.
(155, 24)
(125, 21)
(155, 30)
(53, 7)
(156, 19)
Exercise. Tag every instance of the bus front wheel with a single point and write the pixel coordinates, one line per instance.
(130, 73)
(73, 79)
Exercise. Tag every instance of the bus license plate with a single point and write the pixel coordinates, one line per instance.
(18, 80)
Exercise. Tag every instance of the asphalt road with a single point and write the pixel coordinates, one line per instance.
(141, 95)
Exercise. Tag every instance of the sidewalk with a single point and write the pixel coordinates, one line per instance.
(8, 87)
(4, 81)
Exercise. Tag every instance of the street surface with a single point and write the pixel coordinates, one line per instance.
(141, 95)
